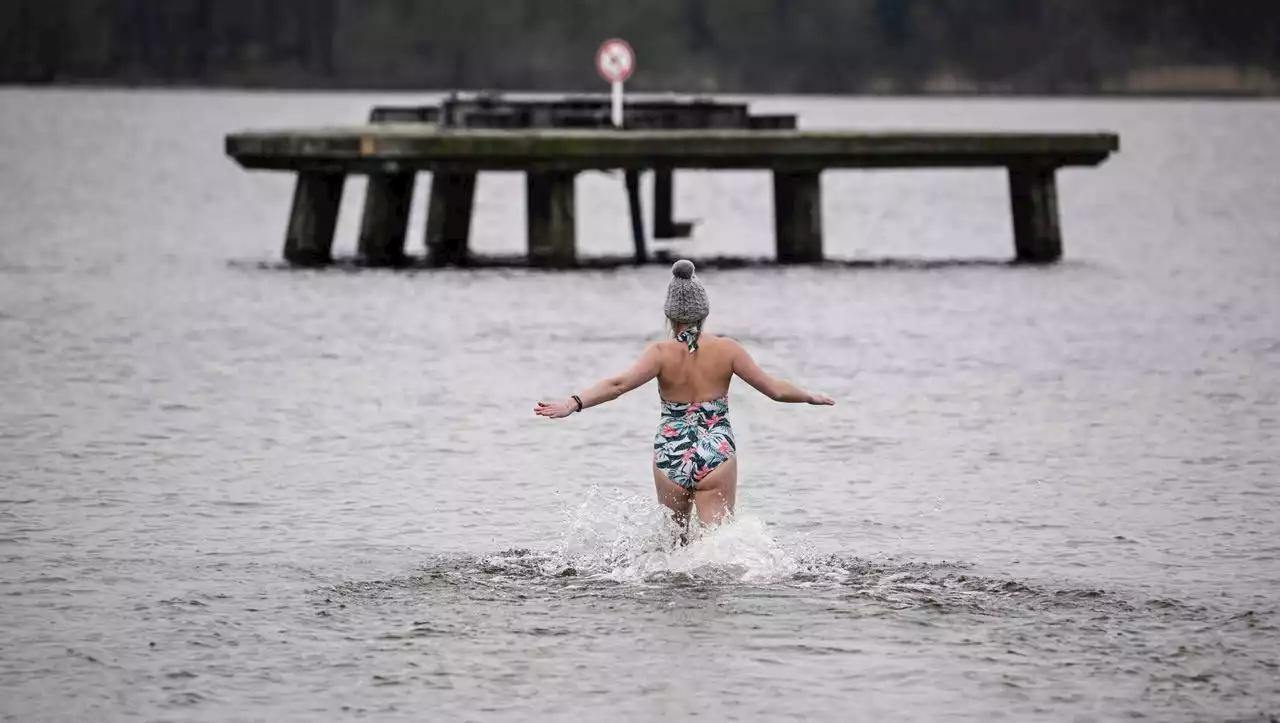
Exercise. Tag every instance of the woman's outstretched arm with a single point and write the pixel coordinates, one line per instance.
(779, 390)
(607, 390)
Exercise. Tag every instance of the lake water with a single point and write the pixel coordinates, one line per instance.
(230, 491)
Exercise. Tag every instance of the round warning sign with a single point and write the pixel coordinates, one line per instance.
(615, 60)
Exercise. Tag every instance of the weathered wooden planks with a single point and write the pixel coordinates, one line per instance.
(425, 147)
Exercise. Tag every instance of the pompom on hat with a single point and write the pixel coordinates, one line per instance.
(686, 298)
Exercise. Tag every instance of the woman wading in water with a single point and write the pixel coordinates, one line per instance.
(693, 450)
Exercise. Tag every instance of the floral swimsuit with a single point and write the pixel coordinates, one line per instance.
(693, 439)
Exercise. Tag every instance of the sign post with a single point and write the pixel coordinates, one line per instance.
(614, 61)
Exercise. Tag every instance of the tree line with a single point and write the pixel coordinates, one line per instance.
(758, 46)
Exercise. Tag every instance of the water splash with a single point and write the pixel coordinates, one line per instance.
(630, 538)
(613, 543)
(611, 540)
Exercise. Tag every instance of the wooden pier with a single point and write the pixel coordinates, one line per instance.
(552, 141)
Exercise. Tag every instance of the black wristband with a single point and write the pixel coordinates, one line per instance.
(578, 399)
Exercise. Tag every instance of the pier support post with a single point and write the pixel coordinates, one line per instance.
(665, 225)
(637, 215)
(551, 218)
(663, 202)
(313, 218)
(1037, 236)
(386, 219)
(449, 217)
(797, 208)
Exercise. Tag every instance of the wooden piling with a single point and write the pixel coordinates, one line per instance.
(386, 219)
(1033, 192)
(663, 202)
(664, 224)
(449, 213)
(313, 218)
(550, 201)
(797, 208)
(637, 215)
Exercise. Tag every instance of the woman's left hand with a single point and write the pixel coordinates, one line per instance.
(555, 410)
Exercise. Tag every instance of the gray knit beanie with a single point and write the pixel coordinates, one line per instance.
(686, 299)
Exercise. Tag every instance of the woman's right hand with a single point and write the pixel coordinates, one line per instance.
(821, 400)
(555, 410)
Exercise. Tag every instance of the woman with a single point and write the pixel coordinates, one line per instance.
(693, 450)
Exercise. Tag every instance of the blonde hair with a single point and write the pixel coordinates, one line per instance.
(673, 326)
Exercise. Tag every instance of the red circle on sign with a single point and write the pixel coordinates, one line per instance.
(615, 60)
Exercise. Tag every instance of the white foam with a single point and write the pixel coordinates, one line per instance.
(629, 539)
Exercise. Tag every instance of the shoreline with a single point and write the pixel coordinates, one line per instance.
(114, 86)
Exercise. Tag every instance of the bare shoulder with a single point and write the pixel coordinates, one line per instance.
(655, 350)
(727, 343)
(725, 347)
(662, 350)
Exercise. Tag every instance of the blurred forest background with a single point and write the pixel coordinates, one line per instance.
(756, 46)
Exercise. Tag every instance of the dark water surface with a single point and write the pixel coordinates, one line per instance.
(234, 492)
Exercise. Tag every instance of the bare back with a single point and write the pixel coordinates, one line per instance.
(698, 377)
